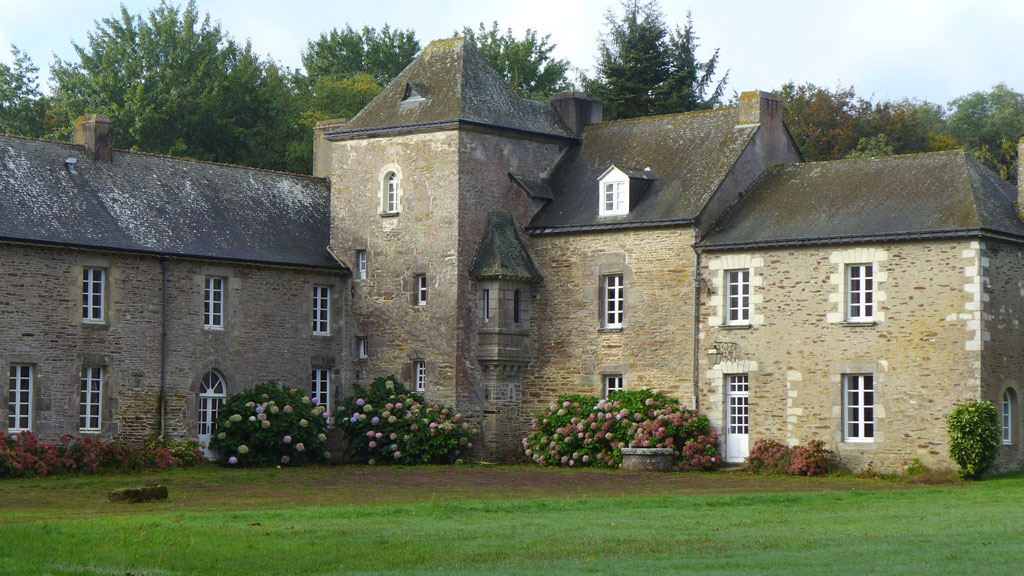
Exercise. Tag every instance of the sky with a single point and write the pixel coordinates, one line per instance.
(886, 49)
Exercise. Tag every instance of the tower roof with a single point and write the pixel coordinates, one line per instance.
(502, 253)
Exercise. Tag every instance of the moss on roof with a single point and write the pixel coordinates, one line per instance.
(502, 253)
(456, 84)
(940, 192)
(689, 155)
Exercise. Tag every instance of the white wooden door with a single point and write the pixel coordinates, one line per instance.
(738, 418)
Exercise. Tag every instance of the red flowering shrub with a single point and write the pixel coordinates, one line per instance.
(22, 455)
(771, 457)
(583, 431)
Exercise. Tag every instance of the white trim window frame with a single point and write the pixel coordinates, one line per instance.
(860, 293)
(321, 310)
(737, 297)
(212, 396)
(613, 383)
(421, 290)
(213, 303)
(858, 408)
(391, 193)
(612, 301)
(1006, 419)
(362, 347)
(360, 264)
(19, 397)
(613, 198)
(320, 387)
(419, 370)
(90, 399)
(92, 295)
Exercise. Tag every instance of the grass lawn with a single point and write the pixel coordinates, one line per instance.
(508, 520)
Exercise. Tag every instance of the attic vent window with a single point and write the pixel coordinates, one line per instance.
(413, 93)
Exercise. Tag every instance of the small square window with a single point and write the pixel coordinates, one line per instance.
(92, 295)
(420, 375)
(421, 290)
(321, 310)
(362, 347)
(360, 264)
(213, 303)
(613, 383)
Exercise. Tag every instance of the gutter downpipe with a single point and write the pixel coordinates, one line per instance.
(165, 263)
(696, 327)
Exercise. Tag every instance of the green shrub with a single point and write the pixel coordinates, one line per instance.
(581, 430)
(973, 437)
(270, 424)
(387, 423)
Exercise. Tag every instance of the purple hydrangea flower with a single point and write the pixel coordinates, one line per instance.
(360, 402)
(375, 421)
(259, 409)
(232, 460)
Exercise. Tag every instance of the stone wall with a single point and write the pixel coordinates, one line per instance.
(1000, 271)
(571, 350)
(922, 348)
(267, 335)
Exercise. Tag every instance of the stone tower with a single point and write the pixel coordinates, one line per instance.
(425, 211)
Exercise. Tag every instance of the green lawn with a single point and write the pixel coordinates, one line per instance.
(475, 520)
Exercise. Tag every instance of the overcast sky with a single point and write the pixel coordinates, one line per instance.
(887, 49)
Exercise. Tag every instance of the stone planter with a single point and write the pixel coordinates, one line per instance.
(647, 459)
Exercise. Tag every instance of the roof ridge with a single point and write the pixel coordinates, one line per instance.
(891, 157)
(165, 156)
(668, 115)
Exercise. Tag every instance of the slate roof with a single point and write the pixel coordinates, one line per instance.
(689, 155)
(921, 195)
(161, 205)
(501, 253)
(448, 83)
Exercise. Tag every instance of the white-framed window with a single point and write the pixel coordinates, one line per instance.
(90, 399)
(212, 396)
(213, 303)
(320, 387)
(485, 304)
(860, 292)
(858, 408)
(321, 310)
(360, 264)
(391, 193)
(739, 403)
(92, 295)
(1007, 418)
(19, 398)
(362, 347)
(613, 383)
(421, 290)
(612, 300)
(419, 369)
(737, 297)
(613, 198)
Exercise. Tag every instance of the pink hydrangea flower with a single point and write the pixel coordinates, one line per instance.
(287, 439)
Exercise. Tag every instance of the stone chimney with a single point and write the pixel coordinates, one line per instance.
(577, 110)
(96, 133)
(321, 147)
(757, 107)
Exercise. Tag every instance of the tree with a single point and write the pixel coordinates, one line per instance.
(644, 70)
(872, 147)
(989, 124)
(525, 64)
(22, 106)
(340, 54)
(174, 83)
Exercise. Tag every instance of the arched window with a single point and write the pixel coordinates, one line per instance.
(1007, 417)
(391, 191)
(212, 395)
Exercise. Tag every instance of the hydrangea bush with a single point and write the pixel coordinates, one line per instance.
(771, 457)
(270, 424)
(580, 430)
(22, 455)
(387, 423)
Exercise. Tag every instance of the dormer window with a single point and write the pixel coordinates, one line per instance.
(614, 187)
